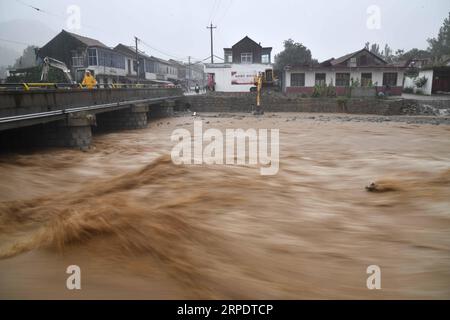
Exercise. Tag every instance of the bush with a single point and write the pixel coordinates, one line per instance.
(318, 91)
(321, 91)
(419, 92)
(355, 83)
(421, 82)
(342, 101)
(408, 90)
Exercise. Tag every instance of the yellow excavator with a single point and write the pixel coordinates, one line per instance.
(269, 81)
(259, 79)
(263, 81)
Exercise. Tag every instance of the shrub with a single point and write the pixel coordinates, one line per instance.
(331, 91)
(342, 101)
(421, 82)
(408, 90)
(355, 83)
(318, 91)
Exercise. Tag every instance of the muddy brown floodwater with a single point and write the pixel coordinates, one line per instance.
(141, 227)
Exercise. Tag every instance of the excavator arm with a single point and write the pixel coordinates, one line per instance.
(50, 62)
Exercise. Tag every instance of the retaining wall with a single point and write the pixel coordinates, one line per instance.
(245, 102)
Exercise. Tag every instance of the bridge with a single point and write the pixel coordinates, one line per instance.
(67, 117)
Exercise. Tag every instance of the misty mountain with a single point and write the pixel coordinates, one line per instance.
(8, 56)
(29, 32)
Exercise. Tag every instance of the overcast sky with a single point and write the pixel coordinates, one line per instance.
(178, 27)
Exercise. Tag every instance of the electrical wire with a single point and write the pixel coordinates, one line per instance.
(40, 10)
(16, 42)
(230, 4)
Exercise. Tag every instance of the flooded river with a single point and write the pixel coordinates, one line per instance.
(141, 227)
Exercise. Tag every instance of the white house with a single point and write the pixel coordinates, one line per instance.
(361, 67)
(242, 63)
(437, 80)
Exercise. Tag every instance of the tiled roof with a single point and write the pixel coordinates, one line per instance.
(88, 41)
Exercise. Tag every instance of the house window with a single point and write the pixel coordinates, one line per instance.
(352, 62)
(390, 79)
(297, 79)
(366, 79)
(265, 58)
(150, 66)
(77, 60)
(321, 79)
(92, 57)
(228, 57)
(110, 59)
(246, 58)
(342, 79)
(363, 60)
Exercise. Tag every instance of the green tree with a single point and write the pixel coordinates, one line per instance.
(402, 55)
(294, 53)
(28, 58)
(440, 47)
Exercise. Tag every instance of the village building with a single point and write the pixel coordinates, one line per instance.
(242, 62)
(431, 79)
(361, 68)
(108, 65)
(151, 68)
(81, 53)
(190, 74)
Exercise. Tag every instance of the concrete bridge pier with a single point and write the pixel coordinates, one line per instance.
(163, 110)
(75, 132)
(131, 118)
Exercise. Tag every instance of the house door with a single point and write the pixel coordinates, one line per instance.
(129, 66)
(441, 83)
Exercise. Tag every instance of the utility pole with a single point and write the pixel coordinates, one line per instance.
(189, 74)
(211, 27)
(137, 59)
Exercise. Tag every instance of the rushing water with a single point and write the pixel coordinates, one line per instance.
(141, 227)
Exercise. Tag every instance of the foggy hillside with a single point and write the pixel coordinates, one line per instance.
(8, 56)
(22, 32)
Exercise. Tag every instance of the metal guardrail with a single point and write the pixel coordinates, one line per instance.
(80, 109)
(42, 86)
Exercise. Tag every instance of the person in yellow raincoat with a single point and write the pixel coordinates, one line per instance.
(88, 80)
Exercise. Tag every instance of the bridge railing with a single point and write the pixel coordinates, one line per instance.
(68, 86)
(37, 100)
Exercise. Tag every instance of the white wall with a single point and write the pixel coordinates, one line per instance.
(223, 75)
(310, 77)
(100, 71)
(410, 82)
(150, 76)
(429, 85)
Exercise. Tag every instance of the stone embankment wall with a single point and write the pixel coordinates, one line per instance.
(277, 102)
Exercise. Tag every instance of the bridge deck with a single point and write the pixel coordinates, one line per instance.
(25, 108)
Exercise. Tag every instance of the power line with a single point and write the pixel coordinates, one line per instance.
(17, 42)
(40, 10)
(230, 4)
(212, 11)
(160, 51)
(58, 15)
